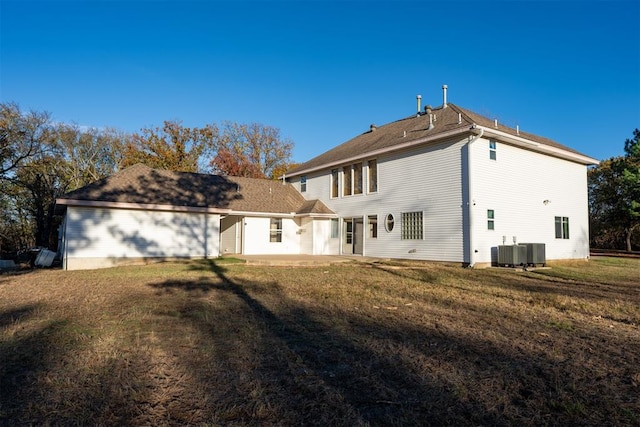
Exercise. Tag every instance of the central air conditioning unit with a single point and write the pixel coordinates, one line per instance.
(512, 255)
(535, 253)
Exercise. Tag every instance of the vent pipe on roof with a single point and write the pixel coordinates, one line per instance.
(459, 118)
(495, 123)
(444, 96)
(372, 127)
(427, 110)
(418, 99)
(517, 129)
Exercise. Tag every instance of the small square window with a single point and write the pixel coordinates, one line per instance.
(275, 230)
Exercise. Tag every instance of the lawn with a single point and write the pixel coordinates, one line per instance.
(211, 343)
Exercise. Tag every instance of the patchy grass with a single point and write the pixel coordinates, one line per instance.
(222, 343)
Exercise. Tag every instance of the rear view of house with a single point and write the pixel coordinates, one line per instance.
(444, 184)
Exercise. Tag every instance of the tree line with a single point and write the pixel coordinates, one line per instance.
(41, 160)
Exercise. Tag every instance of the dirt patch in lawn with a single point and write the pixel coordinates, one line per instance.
(358, 344)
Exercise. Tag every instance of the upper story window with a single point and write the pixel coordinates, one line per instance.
(373, 175)
(412, 226)
(303, 183)
(346, 181)
(275, 230)
(352, 179)
(334, 183)
(562, 227)
(357, 178)
(492, 150)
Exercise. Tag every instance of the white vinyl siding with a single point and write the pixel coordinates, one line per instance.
(423, 179)
(97, 237)
(528, 190)
(257, 237)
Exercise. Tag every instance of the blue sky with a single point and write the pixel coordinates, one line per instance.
(323, 71)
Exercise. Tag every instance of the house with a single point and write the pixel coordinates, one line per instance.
(448, 184)
(143, 214)
(444, 184)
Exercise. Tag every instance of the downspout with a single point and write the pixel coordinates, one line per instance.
(470, 202)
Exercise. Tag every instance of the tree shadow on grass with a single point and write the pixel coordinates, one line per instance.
(306, 369)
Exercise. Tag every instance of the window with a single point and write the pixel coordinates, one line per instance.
(492, 150)
(373, 176)
(412, 226)
(373, 226)
(357, 178)
(348, 224)
(490, 219)
(334, 228)
(334, 183)
(303, 183)
(562, 227)
(275, 230)
(389, 222)
(346, 181)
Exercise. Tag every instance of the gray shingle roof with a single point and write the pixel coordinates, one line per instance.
(142, 185)
(414, 128)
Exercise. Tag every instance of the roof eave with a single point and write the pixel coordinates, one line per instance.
(537, 146)
(140, 206)
(393, 148)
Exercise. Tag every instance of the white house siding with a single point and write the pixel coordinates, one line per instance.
(98, 237)
(527, 190)
(424, 179)
(256, 237)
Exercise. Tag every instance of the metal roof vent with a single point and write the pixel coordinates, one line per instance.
(418, 100)
(444, 96)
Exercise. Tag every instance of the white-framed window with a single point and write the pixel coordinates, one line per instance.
(412, 226)
(491, 216)
(373, 175)
(389, 223)
(303, 183)
(334, 183)
(562, 227)
(492, 150)
(335, 228)
(275, 230)
(357, 178)
(372, 220)
(346, 181)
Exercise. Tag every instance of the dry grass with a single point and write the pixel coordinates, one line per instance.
(357, 344)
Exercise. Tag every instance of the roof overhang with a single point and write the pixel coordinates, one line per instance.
(534, 146)
(390, 149)
(140, 206)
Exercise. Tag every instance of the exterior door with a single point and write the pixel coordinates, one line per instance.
(352, 236)
(358, 236)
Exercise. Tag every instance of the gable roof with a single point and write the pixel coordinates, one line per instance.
(447, 121)
(142, 187)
